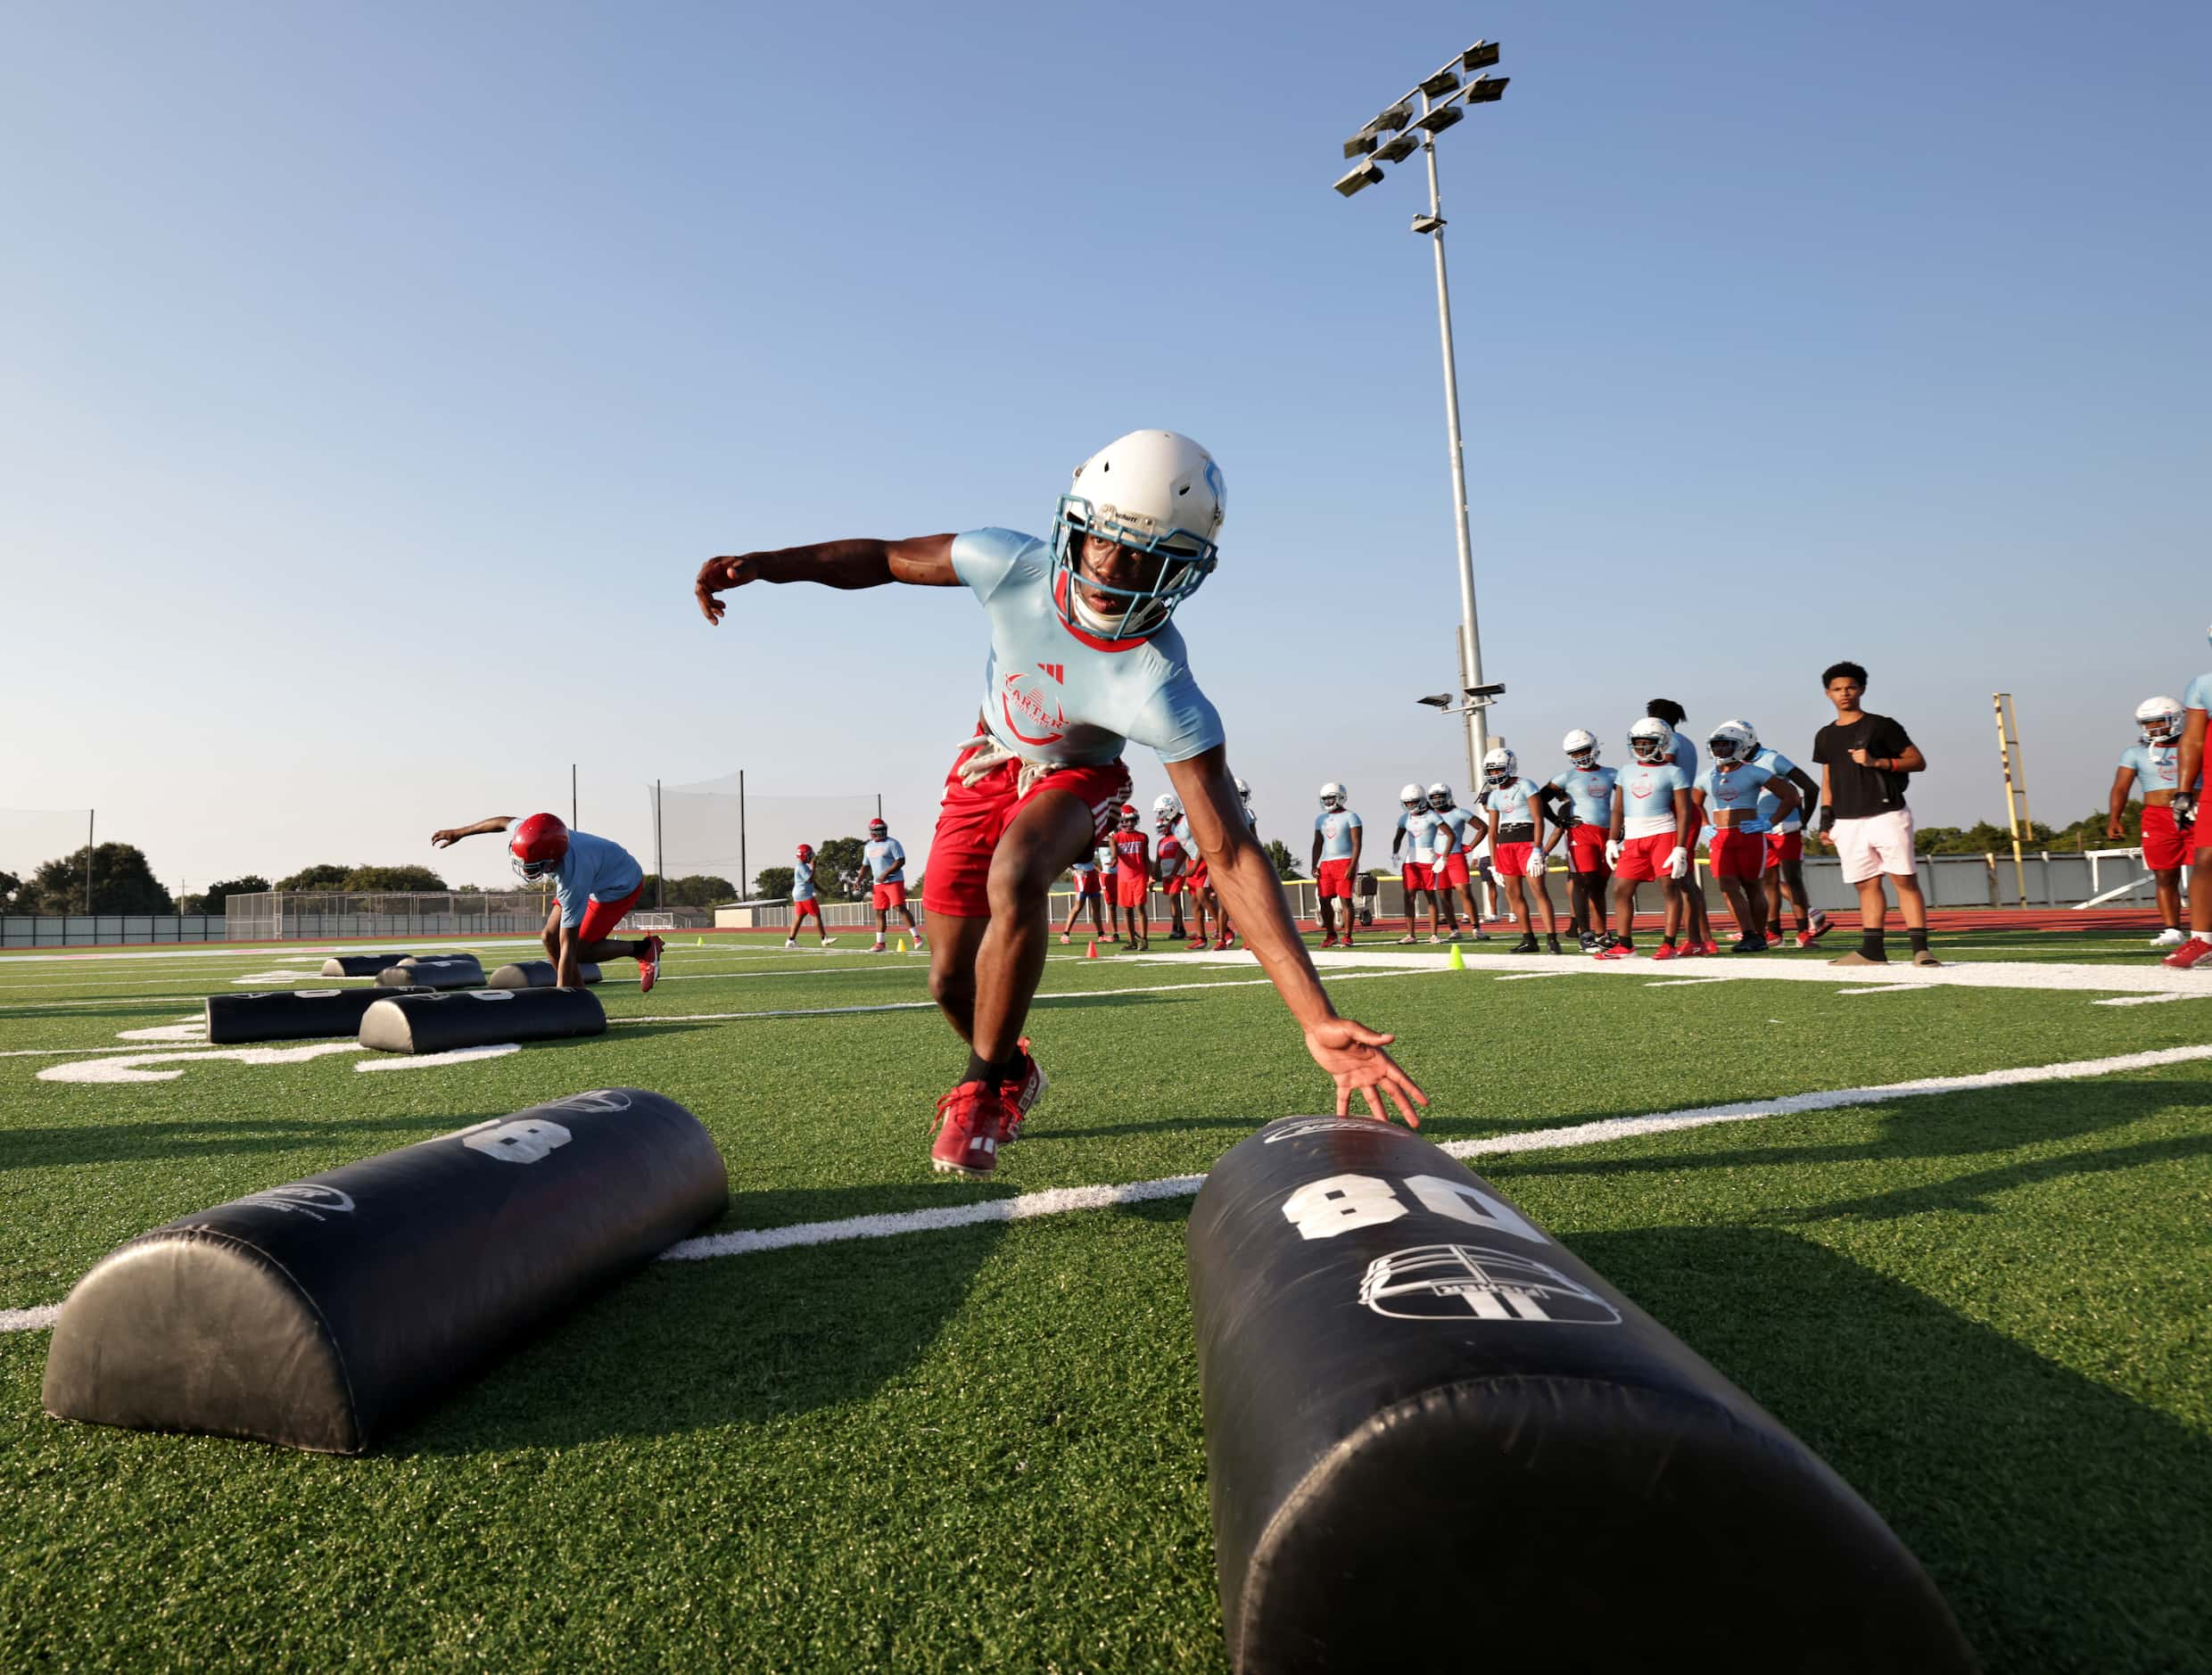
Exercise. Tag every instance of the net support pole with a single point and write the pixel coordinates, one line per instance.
(572, 796)
(660, 866)
(745, 872)
(2015, 785)
(90, 815)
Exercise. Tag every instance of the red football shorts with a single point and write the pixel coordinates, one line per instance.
(601, 918)
(1454, 869)
(1172, 887)
(2164, 845)
(1130, 887)
(890, 895)
(809, 908)
(1416, 877)
(972, 819)
(1336, 878)
(1645, 858)
(1200, 879)
(1586, 848)
(1512, 859)
(1086, 883)
(1736, 853)
(1784, 848)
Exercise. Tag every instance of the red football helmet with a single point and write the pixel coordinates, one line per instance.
(807, 852)
(878, 829)
(537, 845)
(1129, 817)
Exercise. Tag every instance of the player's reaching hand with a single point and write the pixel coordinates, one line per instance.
(718, 575)
(1353, 1056)
(444, 839)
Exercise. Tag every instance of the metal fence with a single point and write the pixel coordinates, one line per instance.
(58, 930)
(285, 915)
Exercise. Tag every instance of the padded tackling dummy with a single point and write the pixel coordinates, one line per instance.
(436, 971)
(534, 974)
(476, 1017)
(1436, 1440)
(362, 964)
(293, 1014)
(321, 1314)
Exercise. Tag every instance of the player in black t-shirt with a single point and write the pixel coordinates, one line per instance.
(1864, 761)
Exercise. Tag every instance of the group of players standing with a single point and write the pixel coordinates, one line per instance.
(1134, 863)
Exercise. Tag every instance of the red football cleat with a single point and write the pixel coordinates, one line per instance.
(649, 968)
(1328, 939)
(2187, 955)
(1022, 1094)
(1616, 952)
(1666, 951)
(1223, 944)
(968, 1125)
(1710, 946)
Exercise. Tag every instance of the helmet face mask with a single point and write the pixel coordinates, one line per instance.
(2161, 721)
(1333, 797)
(1412, 797)
(1158, 498)
(1500, 767)
(1129, 817)
(1732, 743)
(1581, 748)
(877, 830)
(1651, 741)
(1441, 797)
(1168, 806)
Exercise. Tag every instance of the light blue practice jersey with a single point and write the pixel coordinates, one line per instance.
(2157, 767)
(2198, 694)
(1421, 827)
(1590, 792)
(802, 880)
(1686, 757)
(1336, 828)
(887, 861)
(1647, 796)
(1510, 801)
(1084, 866)
(1770, 805)
(594, 870)
(1734, 787)
(1455, 821)
(1051, 694)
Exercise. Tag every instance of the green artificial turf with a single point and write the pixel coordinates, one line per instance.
(983, 1447)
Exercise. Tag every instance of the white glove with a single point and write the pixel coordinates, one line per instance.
(1535, 868)
(1678, 863)
(1613, 851)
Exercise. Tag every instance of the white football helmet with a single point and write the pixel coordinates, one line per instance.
(1242, 790)
(1581, 748)
(1651, 740)
(1499, 766)
(1333, 797)
(1167, 805)
(1441, 797)
(1411, 795)
(1732, 742)
(1154, 492)
(2162, 720)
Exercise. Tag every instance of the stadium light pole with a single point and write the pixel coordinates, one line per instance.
(1443, 101)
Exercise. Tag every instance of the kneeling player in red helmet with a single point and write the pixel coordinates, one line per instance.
(595, 882)
(1083, 660)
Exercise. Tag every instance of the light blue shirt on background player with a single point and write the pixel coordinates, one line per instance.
(1510, 801)
(1588, 792)
(594, 870)
(1734, 787)
(802, 881)
(1779, 767)
(1051, 693)
(2157, 767)
(2198, 694)
(1453, 838)
(1648, 797)
(887, 861)
(1421, 827)
(1336, 827)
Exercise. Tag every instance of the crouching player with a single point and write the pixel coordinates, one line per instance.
(595, 882)
(1517, 846)
(1583, 799)
(805, 900)
(1727, 793)
(1336, 845)
(2154, 762)
(1650, 820)
(1083, 658)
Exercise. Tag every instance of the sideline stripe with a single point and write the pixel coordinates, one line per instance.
(1061, 1201)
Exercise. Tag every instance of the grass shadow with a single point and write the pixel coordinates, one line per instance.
(2069, 1525)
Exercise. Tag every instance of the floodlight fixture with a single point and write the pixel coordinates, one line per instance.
(1398, 148)
(1360, 144)
(1482, 55)
(1437, 120)
(1437, 700)
(1394, 118)
(1365, 175)
(1428, 223)
(1497, 689)
(1441, 83)
(1485, 90)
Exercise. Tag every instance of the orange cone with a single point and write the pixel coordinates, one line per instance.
(1091, 952)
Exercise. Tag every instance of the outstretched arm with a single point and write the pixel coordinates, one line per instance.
(924, 561)
(451, 835)
(1350, 1052)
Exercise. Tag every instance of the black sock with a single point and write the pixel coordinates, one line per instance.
(1918, 939)
(1870, 944)
(977, 1070)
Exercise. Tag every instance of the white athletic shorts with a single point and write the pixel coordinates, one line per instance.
(1880, 843)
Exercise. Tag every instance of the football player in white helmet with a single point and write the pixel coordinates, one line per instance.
(1783, 832)
(2154, 762)
(2196, 700)
(1169, 869)
(1083, 658)
(1650, 832)
(1456, 842)
(1088, 892)
(1337, 840)
(1726, 800)
(1581, 802)
(885, 858)
(1515, 807)
(1696, 923)
(1417, 828)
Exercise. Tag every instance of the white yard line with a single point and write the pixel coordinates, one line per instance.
(1884, 989)
(1683, 983)
(2141, 1000)
(1064, 1199)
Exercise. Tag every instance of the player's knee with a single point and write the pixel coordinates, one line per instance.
(952, 987)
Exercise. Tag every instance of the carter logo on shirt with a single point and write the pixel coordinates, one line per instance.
(1021, 702)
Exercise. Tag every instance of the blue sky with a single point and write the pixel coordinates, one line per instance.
(377, 379)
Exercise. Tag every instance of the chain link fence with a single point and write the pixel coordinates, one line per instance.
(290, 915)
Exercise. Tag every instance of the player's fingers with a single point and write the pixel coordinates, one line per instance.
(1375, 1105)
(1406, 1113)
(1366, 1036)
(1343, 1095)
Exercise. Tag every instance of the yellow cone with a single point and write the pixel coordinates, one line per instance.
(902, 944)
(1458, 962)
